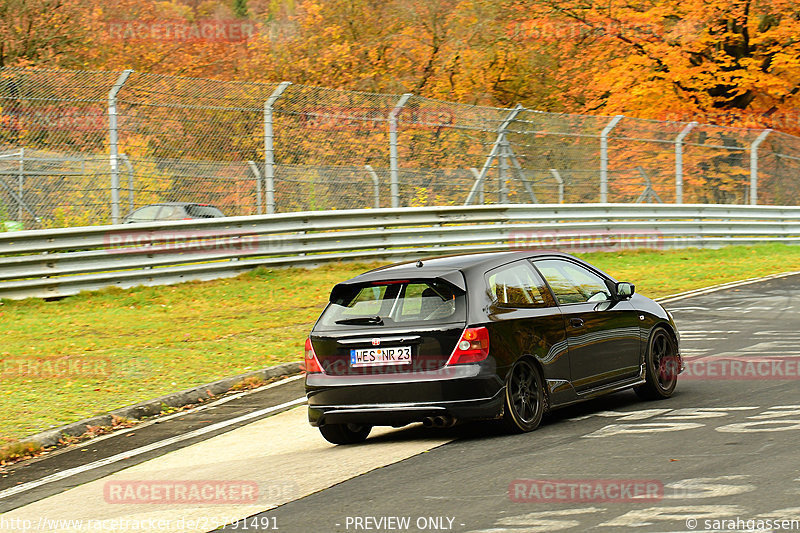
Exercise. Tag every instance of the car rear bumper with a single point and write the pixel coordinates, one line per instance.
(462, 392)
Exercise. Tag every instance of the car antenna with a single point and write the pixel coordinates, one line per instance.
(419, 263)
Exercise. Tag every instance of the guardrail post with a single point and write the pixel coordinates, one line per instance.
(604, 157)
(754, 165)
(113, 143)
(679, 161)
(393, 157)
(269, 152)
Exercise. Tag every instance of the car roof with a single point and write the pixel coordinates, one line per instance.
(445, 266)
(466, 261)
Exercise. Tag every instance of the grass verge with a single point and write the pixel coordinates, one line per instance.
(88, 354)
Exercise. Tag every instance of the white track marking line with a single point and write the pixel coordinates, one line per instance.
(144, 449)
(156, 419)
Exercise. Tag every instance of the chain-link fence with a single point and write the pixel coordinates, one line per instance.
(83, 148)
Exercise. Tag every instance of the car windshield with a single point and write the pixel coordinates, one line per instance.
(391, 303)
(203, 211)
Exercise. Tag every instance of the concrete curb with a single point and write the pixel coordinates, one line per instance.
(51, 437)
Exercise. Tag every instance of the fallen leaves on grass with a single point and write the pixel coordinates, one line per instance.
(17, 451)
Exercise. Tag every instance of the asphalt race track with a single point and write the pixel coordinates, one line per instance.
(721, 455)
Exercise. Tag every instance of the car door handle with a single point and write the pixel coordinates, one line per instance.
(576, 322)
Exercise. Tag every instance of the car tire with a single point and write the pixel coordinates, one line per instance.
(661, 367)
(525, 400)
(345, 433)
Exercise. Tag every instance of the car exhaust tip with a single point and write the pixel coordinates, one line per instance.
(427, 422)
(444, 421)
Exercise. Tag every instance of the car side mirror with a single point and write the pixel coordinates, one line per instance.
(624, 290)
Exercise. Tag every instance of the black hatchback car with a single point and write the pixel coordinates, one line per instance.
(499, 335)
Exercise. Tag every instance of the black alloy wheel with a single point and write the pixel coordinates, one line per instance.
(525, 398)
(661, 367)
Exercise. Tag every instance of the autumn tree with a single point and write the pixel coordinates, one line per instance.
(41, 32)
(689, 56)
(446, 49)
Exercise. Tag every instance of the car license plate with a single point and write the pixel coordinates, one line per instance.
(395, 355)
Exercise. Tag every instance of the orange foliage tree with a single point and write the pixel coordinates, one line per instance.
(689, 57)
(447, 49)
(41, 32)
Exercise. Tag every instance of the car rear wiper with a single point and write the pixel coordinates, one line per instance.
(370, 320)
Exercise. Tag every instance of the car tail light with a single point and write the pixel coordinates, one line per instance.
(472, 347)
(312, 364)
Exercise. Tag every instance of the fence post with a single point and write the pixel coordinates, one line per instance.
(504, 149)
(113, 141)
(495, 152)
(257, 174)
(522, 174)
(393, 164)
(476, 175)
(269, 152)
(376, 186)
(16, 196)
(129, 168)
(560, 182)
(754, 165)
(21, 181)
(604, 157)
(679, 161)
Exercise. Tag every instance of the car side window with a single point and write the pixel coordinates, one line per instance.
(516, 285)
(171, 212)
(572, 283)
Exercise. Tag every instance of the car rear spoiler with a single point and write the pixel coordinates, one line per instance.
(452, 277)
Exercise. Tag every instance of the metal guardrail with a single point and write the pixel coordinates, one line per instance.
(61, 262)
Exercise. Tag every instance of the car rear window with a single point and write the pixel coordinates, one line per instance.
(203, 211)
(393, 303)
(144, 214)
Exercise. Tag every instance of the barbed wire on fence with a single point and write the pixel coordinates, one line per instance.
(85, 148)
